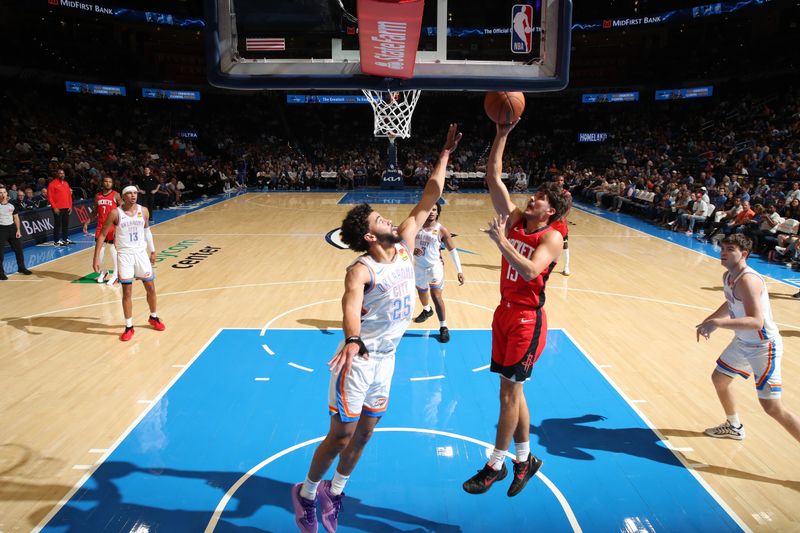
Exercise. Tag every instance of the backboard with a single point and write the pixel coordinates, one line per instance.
(473, 45)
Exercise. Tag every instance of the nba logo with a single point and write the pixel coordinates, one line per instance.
(521, 28)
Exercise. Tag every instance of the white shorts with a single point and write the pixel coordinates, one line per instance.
(134, 264)
(366, 387)
(432, 276)
(762, 360)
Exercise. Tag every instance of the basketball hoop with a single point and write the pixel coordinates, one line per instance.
(392, 110)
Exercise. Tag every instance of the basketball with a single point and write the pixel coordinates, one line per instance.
(504, 107)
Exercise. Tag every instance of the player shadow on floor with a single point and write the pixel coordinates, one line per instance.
(103, 504)
(715, 289)
(61, 276)
(72, 324)
(571, 437)
(790, 333)
(322, 325)
(480, 265)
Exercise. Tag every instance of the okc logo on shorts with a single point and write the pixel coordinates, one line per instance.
(521, 28)
(379, 402)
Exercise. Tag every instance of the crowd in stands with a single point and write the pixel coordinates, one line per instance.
(710, 167)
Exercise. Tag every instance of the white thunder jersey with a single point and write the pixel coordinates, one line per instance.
(388, 301)
(736, 310)
(429, 245)
(129, 235)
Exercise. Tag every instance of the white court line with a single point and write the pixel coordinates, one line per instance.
(266, 349)
(312, 304)
(304, 368)
(262, 379)
(427, 378)
(689, 466)
(57, 507)
(339, 281)
(484, 367)
(223, 503)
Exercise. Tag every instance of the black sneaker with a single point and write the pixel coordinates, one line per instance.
(423, 316)
(68, 242)
(483, 480)
(796, 295)
(444, 334)
(3, 277)
(25, 272)
(522, 473)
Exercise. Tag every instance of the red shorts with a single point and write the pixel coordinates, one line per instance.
(560, 226)
(519, 335)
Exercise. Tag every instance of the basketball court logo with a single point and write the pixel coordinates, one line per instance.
(521, 28)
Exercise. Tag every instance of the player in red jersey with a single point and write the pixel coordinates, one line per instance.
(105, 201)
(560, 225)
(530, 249)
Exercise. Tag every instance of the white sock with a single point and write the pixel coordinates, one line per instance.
(566, 259)
(337, 483)
(112, 250)
(443, 323)
(734, 420)
(523, 450)
(309, 489)
(129, 322)
(153, 315)
(427, 308)
(497, 458)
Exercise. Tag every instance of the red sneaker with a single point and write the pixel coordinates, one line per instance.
(126, 335)
(157, 324)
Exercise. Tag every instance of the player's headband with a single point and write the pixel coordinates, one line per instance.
(129, 188)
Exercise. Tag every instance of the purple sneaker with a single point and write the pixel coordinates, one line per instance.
(305, 511)
(330, 506)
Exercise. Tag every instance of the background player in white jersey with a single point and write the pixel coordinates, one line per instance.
(133, 241)
(429, 268)
(757, 346)
(377, 307)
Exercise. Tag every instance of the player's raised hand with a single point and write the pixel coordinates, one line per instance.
(505, 129)
(453, 138)
(497, 228)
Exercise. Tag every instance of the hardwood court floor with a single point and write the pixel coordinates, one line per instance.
(71, 389)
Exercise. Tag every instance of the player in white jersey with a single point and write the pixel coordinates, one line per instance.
(429, 268)
(757, 346)
(133, 241)
(377, 307)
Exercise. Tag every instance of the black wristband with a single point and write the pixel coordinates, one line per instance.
(362, 349)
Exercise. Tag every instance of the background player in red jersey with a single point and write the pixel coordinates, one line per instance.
(560, 225)
(530, 249)
(105, 201)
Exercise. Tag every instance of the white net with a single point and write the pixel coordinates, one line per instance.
(392, 112)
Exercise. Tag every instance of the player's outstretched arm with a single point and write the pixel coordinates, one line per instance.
(433, 189)
(111, 219)
(501, 200)
(447, 239)
(355, 281)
